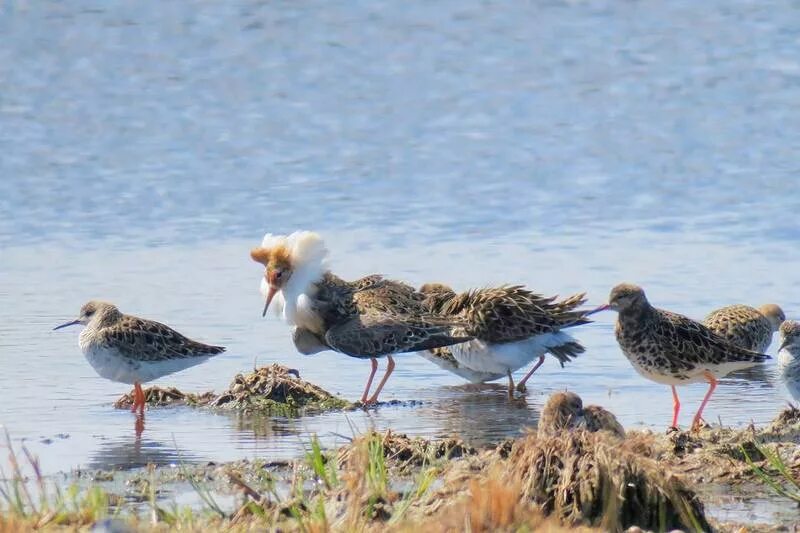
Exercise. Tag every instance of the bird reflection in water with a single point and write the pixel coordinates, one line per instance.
(481, 413)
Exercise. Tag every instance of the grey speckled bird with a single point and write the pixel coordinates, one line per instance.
(669, 348)
(789, 357)
(132, 350)
(369, 318)
(745, 326)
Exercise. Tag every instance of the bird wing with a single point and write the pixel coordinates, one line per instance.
(697, 344)
(375, 334)
(741, 325)
(513, 313)
(307, 342)
(146, 340)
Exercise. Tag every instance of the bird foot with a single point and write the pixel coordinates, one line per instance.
(364, 404)
(699, 425)
(673, 429)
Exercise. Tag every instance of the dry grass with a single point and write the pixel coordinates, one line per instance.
(404, 453)
(596, 480)
(489, 504)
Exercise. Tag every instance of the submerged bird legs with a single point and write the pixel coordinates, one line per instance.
(521, 385)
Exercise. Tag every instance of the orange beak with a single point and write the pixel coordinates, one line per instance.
(270, 296)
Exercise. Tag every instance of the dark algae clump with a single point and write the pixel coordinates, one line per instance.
(274, 390)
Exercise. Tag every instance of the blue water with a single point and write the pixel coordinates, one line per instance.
(145, 147)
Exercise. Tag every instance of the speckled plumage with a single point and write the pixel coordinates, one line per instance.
(129, 349)
(564, 411)
(132, 350)
(374, 316)
(512, 326)
(745, 326)
(367, 318)
(670, 348)
(789, 357)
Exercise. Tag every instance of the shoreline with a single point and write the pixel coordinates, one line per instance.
(387, 480)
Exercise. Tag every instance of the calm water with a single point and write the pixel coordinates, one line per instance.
(565, 145)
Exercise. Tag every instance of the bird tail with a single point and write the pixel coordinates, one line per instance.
(756, 357)
(568, 315)
(567, 351)
(214, 350)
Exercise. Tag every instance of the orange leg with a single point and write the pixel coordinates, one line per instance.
(712, 384)
(521, 384)
(369, 381)
(676, 407)
(135, 399)
(138, 399)
(389, 370)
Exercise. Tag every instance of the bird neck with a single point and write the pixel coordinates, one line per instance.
(636, 314)
(793, 350)
(301, 286)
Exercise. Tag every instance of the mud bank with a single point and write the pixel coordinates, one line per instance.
(578, 471)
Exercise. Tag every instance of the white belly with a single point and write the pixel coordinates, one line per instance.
(695, 375)
(789, 371)
(499, 359)
(470, 375)
(110, 365)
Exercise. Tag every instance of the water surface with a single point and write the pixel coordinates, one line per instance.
(564, 145)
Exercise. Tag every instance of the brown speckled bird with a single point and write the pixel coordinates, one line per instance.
(669, 348)
(132, 350)
(745, 326)
(565, 411)
(511, 327)
(370, 318)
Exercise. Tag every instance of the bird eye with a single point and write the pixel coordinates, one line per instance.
(279, 274)
(89, 313)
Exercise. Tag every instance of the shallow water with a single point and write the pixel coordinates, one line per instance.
(565, 145)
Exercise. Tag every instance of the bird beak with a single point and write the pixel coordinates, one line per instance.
(605, 307)
(270, 296)
(71, 323)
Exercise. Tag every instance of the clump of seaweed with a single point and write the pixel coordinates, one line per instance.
(403, 452)
(788, 419)
(161, 397)
(276, 389)
(593, 479)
